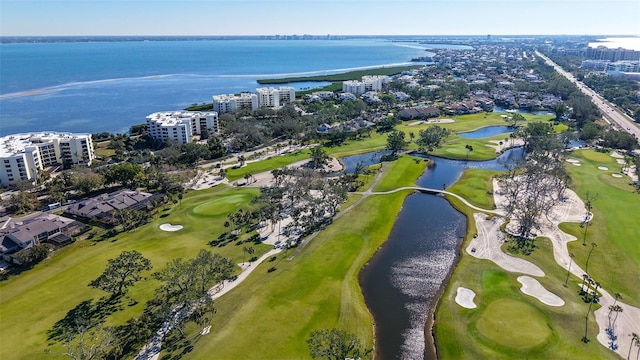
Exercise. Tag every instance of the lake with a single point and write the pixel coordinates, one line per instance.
(485, 132)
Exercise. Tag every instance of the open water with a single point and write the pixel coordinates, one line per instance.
(109, 86)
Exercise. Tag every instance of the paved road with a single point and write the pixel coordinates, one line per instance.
(610, 111)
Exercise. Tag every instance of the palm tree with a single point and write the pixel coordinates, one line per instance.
(585, 279)
(586, 266)
(571, 255)
(634, 339)
(592, 299)
(617, 309)
(469, 149)
(250, 251)
(245, 250)
(586, 221)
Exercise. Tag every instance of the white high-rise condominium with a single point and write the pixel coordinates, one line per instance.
(181, 126)
(368, 83)
(224, 104)
(23, 156)
(275, 98)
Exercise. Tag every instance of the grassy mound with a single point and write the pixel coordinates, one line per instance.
(514, 325)
(224, 204)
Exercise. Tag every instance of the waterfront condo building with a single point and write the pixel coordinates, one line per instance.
(368, 83)
(23, 156)
(230, 104)
(181, 126)
(275, 98)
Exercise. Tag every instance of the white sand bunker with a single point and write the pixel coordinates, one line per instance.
(616, 175)
(532, 287)
(464, 298)
(574, 162)
(603, 168)
(169, 227)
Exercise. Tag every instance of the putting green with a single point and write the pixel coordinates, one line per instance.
(513, 324)
(222, 205)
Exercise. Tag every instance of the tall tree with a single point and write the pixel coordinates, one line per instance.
(395, 141)
(129, 175)
(635, 340)
(335, 344)
(319, 157)
(186, 282)
(431, 138)
(514, 119)
(122, 272)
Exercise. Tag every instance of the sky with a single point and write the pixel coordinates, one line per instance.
(335, 17)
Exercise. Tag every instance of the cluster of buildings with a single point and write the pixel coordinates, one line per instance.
(182, 126)
(23, 233)
(625, 68)
(24, 156)
(366, 84)
(492, 73)
(263, 97)
(605, 53)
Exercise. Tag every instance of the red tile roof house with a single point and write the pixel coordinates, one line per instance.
(20, 234)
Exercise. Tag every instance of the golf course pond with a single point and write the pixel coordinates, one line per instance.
(402, 281)
(485, 132)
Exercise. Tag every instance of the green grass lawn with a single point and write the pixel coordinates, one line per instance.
(614, 227)
(271, 314)
(33, 301)
(474, 185)
(402, 172)
(508, 324)
(514, 325)
(267, 165)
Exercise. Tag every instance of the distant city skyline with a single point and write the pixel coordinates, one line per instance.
(344, 17)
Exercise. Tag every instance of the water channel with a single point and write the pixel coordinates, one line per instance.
(404, 277)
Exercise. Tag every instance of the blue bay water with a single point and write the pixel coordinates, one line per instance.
(109, 86)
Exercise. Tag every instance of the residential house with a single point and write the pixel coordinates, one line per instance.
(23, 233)
(103, 207)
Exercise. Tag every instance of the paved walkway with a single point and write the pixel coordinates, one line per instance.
(628, 321)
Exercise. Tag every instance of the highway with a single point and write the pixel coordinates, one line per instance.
(611, 113)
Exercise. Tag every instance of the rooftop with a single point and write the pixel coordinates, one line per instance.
(12, 145)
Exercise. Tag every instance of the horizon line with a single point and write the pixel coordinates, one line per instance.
(314, 35)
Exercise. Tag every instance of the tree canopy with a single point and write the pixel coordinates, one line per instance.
(122, 272)
(432, 138)
(395, 141)
(336, 344)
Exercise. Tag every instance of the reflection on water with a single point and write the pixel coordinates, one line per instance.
(446, 171)
(485, 132)
(403, 278)
(367, 159)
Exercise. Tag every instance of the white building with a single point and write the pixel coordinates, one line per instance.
(354, 87)
(368, 83)
(181, 126)
(275, 98)
(23, 156)
(225, 104)
(374, 82)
